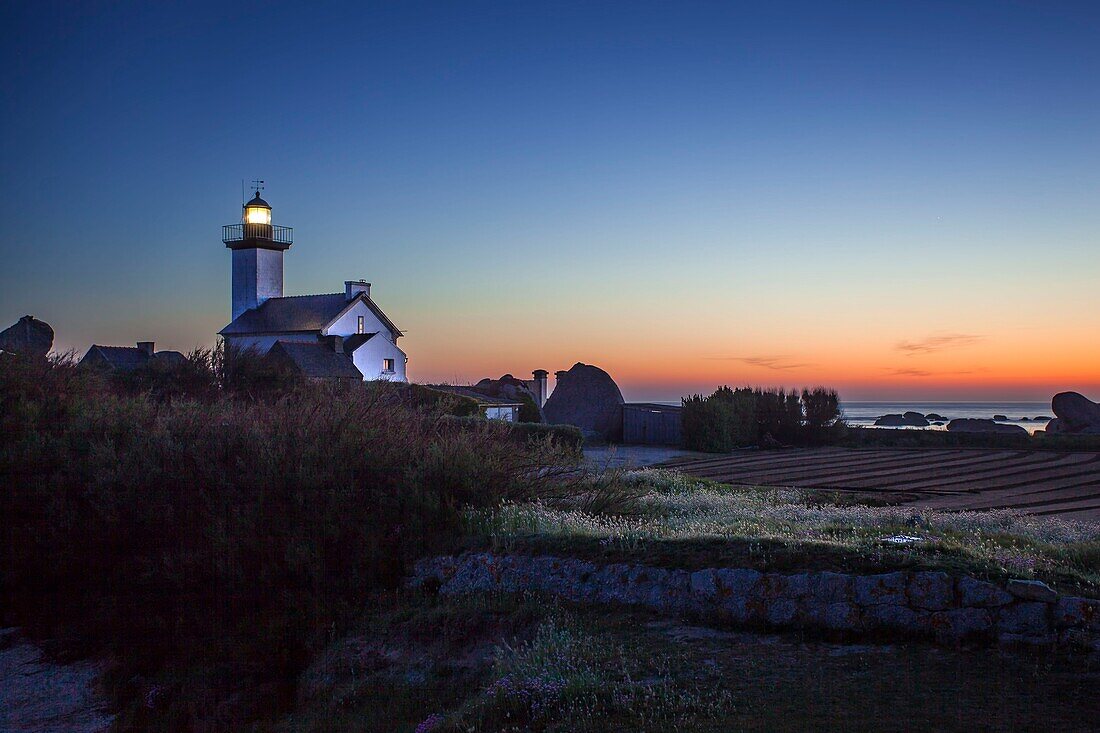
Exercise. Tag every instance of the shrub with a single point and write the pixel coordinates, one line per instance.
(444, 403)
(778, 415)
(569, 437)
(707, 424)
(210, 544)
(730, 418)
(746, 415)
(566, 437)
(822, 406)
(529, 411)
(866, 437)
(205, 375)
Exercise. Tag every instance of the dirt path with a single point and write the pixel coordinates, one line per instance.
(39, 695)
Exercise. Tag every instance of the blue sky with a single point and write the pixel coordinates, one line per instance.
(684, 193)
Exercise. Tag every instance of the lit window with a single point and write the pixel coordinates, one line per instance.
(359, 325)
(387, 365)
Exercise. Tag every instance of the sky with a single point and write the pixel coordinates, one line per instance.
(898, 200)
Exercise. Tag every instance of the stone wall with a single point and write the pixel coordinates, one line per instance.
(926, 604)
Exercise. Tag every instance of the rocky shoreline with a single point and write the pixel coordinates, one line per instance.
(919, 604)
(1074, 414)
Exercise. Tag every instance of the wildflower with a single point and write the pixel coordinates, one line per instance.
(429, 723)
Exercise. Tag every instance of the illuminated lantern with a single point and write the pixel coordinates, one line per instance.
(257, 218)
(258, 248)
(257, 211)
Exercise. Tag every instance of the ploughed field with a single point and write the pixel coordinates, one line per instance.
(1034, 482)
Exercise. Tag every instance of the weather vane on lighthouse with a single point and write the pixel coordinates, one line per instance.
(257, 186)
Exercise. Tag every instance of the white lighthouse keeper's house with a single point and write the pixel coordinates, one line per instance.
(319, 333)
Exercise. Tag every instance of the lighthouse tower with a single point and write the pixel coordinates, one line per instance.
(258, 248)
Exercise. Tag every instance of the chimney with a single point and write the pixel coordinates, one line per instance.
(146, 346)
(337, 343)
(352, 288)
(540, 376)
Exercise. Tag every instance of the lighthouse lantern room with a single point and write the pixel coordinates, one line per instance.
(258, 248)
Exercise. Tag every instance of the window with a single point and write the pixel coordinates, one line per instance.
(387, 365)
(359, 325)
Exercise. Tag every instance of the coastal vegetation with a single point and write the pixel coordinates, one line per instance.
(566, 437)
(863, 437)
(210, 533)
(234, 541)
(731, 418)
(525, 662)
(672, 519)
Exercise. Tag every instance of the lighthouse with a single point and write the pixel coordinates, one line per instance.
(258, 248)
(342, 335)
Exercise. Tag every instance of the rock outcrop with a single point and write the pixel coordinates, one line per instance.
(928, 604)
(1074, 413)
(587, 396)
(973, 425)
(906, 420)
(28, 337)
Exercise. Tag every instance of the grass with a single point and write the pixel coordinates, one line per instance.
(526, 663)
(216, 535)
(668, 514)
(497, 663)
(569, 672)
(868, 437)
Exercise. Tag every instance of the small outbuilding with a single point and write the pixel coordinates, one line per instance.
(650, 423)
(129, 358)
(494, 408)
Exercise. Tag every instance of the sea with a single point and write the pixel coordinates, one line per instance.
(1031, 416)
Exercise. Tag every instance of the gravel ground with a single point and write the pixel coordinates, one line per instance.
(636, 456)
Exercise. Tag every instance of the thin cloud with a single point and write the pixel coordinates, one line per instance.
(910, 372)
(775, 363)
(938, 343)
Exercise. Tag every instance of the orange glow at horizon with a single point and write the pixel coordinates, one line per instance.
(652, 356)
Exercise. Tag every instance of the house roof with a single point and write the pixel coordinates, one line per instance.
(292, 313)
(351, 343)
(483, 399)
(168, 359)
(652, 407)
(300, 313)
(316, 360)
(129, 358)
(374, 309)
(122, 358)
